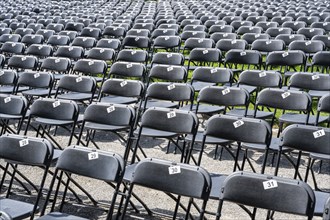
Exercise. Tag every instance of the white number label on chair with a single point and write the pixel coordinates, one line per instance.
(110, 109)
(102, 50)
(2, 73)
(56, 104)
(312, 30)
(57, 60)
(285, 95)
(285, 54)
(174, 170)
(262, 74)
(90, 63)
(170, 87)
(93, 155)
(225, 91)
(214, 70)
(291, 36)
(205, 51)
(314, 77)
(171, 114)
(308, 43)
(36, 75)
(6, 100)
(200, 40)
(238, 123)
(270, 184)
(23, 142)
(169, 69)
(23, 58)
(133, 52)
(167, 38)
(123, 83)
(79, 79)
(169, 55)
(129, 65)
(137, 39)
(70, 48)
(318, 133)
(243, 53)
(233, 42)
(268, 42)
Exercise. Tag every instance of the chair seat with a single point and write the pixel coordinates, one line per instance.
(248, 88)
(217, 182)
(9, 116)
(209, 140)
(319, 156)
(250, 113)
(59, 215)
(16, 209)
(301, 118)
(119, 99)
(149, 132)
(199, 85)
(162, 104)
(48, 121)
(6, 89)
(274, 145)
(38, 92)
(321, 198)
(317, 93)
(76, 96)
(104, 127)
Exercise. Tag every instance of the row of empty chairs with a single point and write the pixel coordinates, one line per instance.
(196, 74)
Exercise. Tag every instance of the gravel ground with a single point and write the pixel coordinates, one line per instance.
(158, 201)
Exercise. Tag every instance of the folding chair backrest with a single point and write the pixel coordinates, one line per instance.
(54, 109)
(170, 91)
(286, 58)
(108, 166)
(26, 150)
(210, 74)
(284, 99)
(223, 96)
(238, 56)
(111, 114)
(121, 87)
(57, 64)
(310, 81)
(239, 129)
(90, 67)
(168, 73)
(205, 54)
(35, 79)
(77, 83)
(260, 78)
(307, 138)
(168, 58)
(290, 196)
(127, 69)
(8, 77)
(139, 56)
(12, 104)
(172, 120)
(23, 62)
(192, 181)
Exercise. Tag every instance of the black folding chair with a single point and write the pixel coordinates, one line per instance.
(46, 112)
(267, 192)
(116, 118)
(306, 139)
(23, 151)
(12, 107)
(171, 124)
(83, 161)
(172, 178)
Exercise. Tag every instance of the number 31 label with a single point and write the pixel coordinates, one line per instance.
(174, 170)
(269, 184)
